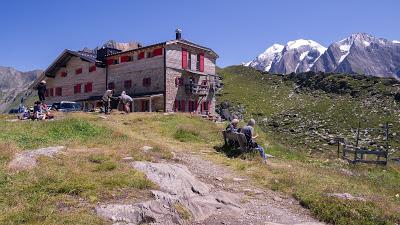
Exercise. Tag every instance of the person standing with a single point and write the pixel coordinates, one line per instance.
(248, 131)
(126, 101)
(41, 88)
(106, 100)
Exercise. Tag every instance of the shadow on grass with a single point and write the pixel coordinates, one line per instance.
(234, 152)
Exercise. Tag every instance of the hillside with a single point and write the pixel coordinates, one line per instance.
(13, 85)
(307, 111)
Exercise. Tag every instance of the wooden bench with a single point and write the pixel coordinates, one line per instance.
(239, 140)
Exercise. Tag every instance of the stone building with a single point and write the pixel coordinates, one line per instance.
(175, 75)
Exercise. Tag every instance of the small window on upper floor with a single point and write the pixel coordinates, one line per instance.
(92, 68)
(189, 61)
(63, 74)
(78, 71)
(126, 58)
(140, 55)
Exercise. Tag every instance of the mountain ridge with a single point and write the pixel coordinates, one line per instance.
(360, 53)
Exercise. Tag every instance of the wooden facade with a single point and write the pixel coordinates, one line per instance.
(172, 76)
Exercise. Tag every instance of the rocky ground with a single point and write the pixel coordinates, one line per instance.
(192, 190)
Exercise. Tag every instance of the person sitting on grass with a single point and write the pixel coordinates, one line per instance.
(37, 112)
(248, 131)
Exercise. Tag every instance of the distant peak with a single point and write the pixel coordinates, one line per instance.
(302, 42)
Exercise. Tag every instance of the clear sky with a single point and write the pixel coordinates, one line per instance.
(35, 32)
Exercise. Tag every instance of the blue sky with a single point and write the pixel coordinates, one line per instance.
(34, 33)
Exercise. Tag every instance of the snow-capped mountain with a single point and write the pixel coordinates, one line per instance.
(265, 60)
(359, 53)
(296, 56)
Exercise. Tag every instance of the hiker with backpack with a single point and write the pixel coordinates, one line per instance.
(248, 131)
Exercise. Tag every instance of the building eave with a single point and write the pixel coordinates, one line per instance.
(62, 60)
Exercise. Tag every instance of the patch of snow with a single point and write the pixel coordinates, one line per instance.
(345, 47)
(366, 43)
(343, 57)
(303, 55)
(301, 42)
(396, 42)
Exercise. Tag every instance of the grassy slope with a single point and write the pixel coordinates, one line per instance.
(271, 97)
(307, 176)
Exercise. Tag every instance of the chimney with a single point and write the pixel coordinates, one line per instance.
(178, 33)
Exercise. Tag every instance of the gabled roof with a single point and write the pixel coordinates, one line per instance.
(183, 41)
(170, 42)
(64, 57)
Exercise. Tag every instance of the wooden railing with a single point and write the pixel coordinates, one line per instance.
(197, 89)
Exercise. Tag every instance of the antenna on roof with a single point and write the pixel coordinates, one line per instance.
(178, 33)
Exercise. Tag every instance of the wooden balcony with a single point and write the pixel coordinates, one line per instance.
(197, 89)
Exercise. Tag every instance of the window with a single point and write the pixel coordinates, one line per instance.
(46, 94)
(205, 106)
(192, 106)
(63, 74)
(111, 85)
(110, 61)
(149, 54)
(92, 68)
(51, 92)
(184, 59)
(200, 62)
(179, 105)
(126, 58)
(77, 89)
(204, 82)
(189, 60)
(157, 52)
(78, 71)
(88, 87)
(147, 82)
(128, 84)
(58, 91)
(141, 55)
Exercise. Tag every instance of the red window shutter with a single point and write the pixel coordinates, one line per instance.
(46, 93)
(92, 69)
(59, 91)
(201, 69)
(141, 55)
(51, 92)
(110, 61)
(196, 105)
(88, 87)
(125, 58)
(176, 105)
(78, 71)
(183, 105)
(184, 59)
(77, 88)
(157, 51)
(63, 74)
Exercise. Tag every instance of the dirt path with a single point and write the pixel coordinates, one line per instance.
(260, 206)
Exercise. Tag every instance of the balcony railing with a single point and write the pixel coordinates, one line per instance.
(197, 89)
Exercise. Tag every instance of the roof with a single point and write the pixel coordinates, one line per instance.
(167, 43)
(64, 57)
